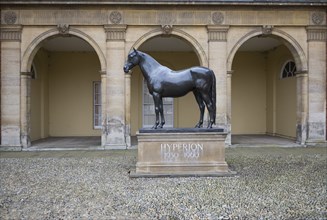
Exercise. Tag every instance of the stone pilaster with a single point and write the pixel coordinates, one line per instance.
(316, 36)
(114, 117)
(217, 40)
(10, 87)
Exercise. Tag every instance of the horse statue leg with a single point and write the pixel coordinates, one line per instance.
(156, 99)
(201, 105)
(210, 108)
(161, 113)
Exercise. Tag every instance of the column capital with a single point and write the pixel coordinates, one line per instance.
(217, 33)
(302, 73)
(128, 75)
(27, 74)
(10, 32)
(316, 33)
(103, 72)
(115, 32)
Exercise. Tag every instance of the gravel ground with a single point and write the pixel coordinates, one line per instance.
(272, 183)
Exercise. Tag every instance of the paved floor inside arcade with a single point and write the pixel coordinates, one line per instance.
(67, 143)
(94, 143)
(262, 141)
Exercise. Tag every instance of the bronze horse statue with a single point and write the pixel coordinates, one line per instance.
(164, 82)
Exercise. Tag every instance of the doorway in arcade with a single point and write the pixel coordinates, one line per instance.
(65, 91)
(264, 89)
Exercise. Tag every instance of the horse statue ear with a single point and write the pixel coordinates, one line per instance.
(134, 50)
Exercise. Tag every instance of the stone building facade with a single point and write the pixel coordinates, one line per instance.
(62, 75)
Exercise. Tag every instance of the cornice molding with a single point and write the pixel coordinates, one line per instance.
(168, 2)
(51, 15)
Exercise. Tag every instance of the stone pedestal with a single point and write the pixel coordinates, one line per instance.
(181, 152)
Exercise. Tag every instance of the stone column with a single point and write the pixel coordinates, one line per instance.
(10, 36)
(114, 117)
(302, 107)
(103, 107)
(229, 108)
(128, 109)
(217, 36)
(316, 126)
(25, 108)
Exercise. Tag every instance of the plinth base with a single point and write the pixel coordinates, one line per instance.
(134, 174)
(182, 153)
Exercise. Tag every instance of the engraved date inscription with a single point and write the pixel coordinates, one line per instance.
(180, 151)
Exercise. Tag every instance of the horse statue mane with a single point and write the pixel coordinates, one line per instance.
(164, 82)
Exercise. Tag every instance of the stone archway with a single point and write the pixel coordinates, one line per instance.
(301, 75)
(295, 48)
(35, 45)
(27, 59)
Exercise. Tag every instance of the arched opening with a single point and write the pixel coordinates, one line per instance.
(65, 94)
(264, 94)
(175, 53)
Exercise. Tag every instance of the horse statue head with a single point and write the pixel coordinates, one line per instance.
(133, 59)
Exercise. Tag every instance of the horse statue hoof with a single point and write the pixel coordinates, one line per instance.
(156, 126)
(210, 125)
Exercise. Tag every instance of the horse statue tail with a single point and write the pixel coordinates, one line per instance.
(213, 94)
